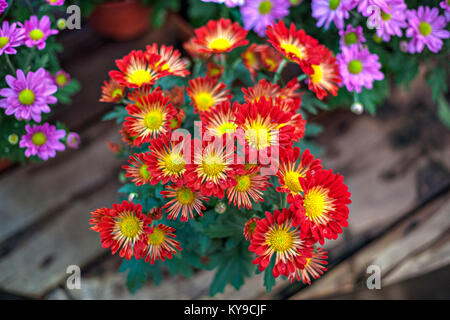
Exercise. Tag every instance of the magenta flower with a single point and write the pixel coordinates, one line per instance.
(392, 24)
(3, 6)
(42, 141)
(446, 6)
(228, 3)
(61, 78)
(352, 36)
(258, 14)
(426, 27)
(11, 36)
(28, 96)
(55, 2)
(37, 31)
(327, 11)
(358, 68)
(364, 6)
(73, 140)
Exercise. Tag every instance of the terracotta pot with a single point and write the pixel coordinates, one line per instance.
(4, 164)
(121, 21)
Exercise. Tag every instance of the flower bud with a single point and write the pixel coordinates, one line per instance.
(357, 108)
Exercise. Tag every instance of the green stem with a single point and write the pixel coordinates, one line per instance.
(6, 11)
(355, 97)
(302, 77)
(279, 71)
(10, 65)
(28, 61)
(30, 7)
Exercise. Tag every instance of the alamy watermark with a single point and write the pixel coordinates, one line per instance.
(73, 282)
(374, 280)
(73, 20)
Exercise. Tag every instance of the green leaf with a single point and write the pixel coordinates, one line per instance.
(437, 80)
(371, 99)
(119, 113)
(138, 273)
(269, 279)
(444, 110)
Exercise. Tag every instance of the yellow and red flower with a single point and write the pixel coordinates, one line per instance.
(314, 267)
(219, 36)
(214, 71)
(176, 95)
(96, 217)
(193, 49)
(185, 200)
(295, 45)
(270, 58)
(323, 207)
(173, 63)
(326, 77)
(139, 93)
(249, 186)
(291, 170)
(161, 244)
(249, 228)
(220, 120)
(205, 93)
(137, 169)
(138, 69)
(150, 118)
(125, 229)
(112, 92)
(178, 119)
(263, 88)
(277, 235)
(252, 59)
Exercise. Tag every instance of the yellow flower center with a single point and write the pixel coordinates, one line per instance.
(174, 123)
(204, 101)
(130, 226)
(213, 165)
(226, 126)
(334, 4)
(39, 138)
(144, 172)
(140, 77)
(36, 34)
(350, 38)
(291, 179)
(214, 72)
(174, 163)
(117, 93)
(3, 42)
(314, 203)
(385, 16)
(220, 44)
(243, 183)
(265, 7)
(258, 136)
(291, 49)
(157, 237)
(317, 76)
(250, 57)
(61, 79)
(270, 63)
(154, 119)
(425, 28)
(185, 196)
(355, 66)
(280, 240)
(27, 97)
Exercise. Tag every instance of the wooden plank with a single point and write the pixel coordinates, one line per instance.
(30, 192)
(40, 262)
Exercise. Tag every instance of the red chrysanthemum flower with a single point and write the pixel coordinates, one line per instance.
(263, 88)
(250, 186)
(193, 49)
(249, 228)
(184, 200)
(294, 166)
(138, 69)
(178, 119)
(276, 235)
(96, 217)
(220, 120)
(314, 267)
(156, 213)
(166, 162)
(325, 77)
(214, 71)
(252, 59)
(295, 45)
(137, 169)
(206, 93)
(139, 93)
(323, 208)
(270, 58)
(150, 118)
(219, 36)
(161, 244)
(176, 95)
(126, 137)
(112, 92)
(125, 229)
(174, 63)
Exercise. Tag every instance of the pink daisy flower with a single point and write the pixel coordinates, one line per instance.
(3, 6)
(426, 27)
(11, 36)
(61, 78)
(392, 24)
(42, 141)
(365, 10)
(446, 6)
(37, 31)
(358, 68)
(228, 3)
(28, 96)
(73, 140)
(55, 2)
(352, 36)
(327, 11)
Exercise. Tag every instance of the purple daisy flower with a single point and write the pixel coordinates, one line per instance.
(426, 27)
(326, 11)
(28, 96)
(11, 36)
(446, 6)
(3, 6)
(42, 141)
(73, 140)
(258, 14)
(352, 36)
(365, 10)
(358, 68)
(228, 3)
(55, 2)
(392, 24)
(61, 78)
(37, 31)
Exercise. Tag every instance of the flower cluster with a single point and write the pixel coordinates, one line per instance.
(241, 150)
(27, 92)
